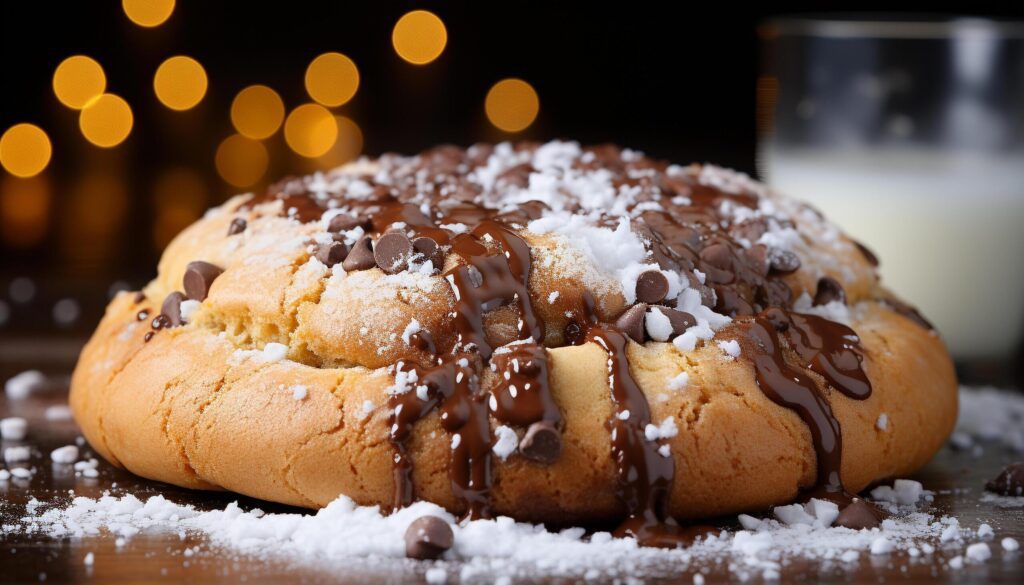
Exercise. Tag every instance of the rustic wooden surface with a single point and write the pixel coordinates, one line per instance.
(956, 476)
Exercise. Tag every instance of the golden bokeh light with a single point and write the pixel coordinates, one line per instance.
(77, 80)
(347, 147)
(148, 13)
(419, 37)
(179, 196)
(106, 120)
(310, 130)
(257, 112)
(512, 105)
(93, 212)
(25, 150)
(241, 161)
(332, 79)
(169, 223)
(24, 210)
(180, 83)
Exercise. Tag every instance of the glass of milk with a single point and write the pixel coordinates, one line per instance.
(910, 135)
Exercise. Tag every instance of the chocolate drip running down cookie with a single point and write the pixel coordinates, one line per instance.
(541, 250)
(741, 278)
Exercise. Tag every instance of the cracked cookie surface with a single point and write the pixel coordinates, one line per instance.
(281, 383)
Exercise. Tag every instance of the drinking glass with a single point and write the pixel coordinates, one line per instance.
(909, 134)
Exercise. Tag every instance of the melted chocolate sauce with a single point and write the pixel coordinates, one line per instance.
(644, 475)
(825, 347)
(489, 279)
(692, 229)
(523, 395)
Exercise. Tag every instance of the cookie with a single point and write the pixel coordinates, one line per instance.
(543, 331)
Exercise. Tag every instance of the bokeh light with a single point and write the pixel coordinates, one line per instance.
(179, 197)
(419, 37)
(347, 147)
(241, 161)
(512, 105)
(332, 79)
(180, 83)
(24, 210)
(92, 214)
(148, 13)
(77, 80)
(310, 130)
(257, 112)
(106, 120)
(25, 150)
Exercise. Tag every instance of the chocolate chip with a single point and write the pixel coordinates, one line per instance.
(430, 251)
(427, 538)
(199, 276)
(651, 287)
(237, 226)
(143, 315)
(867, 253)
(680, 320)
(139, 297)
(858, 515)
(170, 311)
(1009, 482)
(829, 290)
(344, 222)
(631, 322)
(718, 256)
(361, 256)
(541, 443)
(332, 253)
(783, 261)
(392, 252)
(909, 312)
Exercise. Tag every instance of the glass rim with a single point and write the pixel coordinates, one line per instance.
(889, 26)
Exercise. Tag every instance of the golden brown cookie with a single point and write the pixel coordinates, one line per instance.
(548, 332)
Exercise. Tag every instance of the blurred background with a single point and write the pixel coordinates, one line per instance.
(122, 121)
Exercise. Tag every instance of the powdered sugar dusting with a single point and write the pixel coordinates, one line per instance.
(485, 549)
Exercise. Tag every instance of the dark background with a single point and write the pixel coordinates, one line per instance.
(676, 80)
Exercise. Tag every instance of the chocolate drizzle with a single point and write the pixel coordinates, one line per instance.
(825, 347)
(522, 395)
(644, 476)
(691, 227)
(489, 279)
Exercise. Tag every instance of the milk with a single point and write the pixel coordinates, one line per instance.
(947, 227)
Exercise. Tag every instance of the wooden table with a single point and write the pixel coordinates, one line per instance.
(956, 476)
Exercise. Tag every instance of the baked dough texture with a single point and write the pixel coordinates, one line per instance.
(277, 384)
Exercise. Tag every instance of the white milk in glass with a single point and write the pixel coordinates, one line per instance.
(947, 227)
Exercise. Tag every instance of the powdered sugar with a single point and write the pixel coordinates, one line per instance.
(484, 549)
(992, 415)
(666, 430)
(679, 381)
(731, 347)
(13, 428)
(505, 443)
(411, 329)
(658, 325)
(64, 455)
(23, 384)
